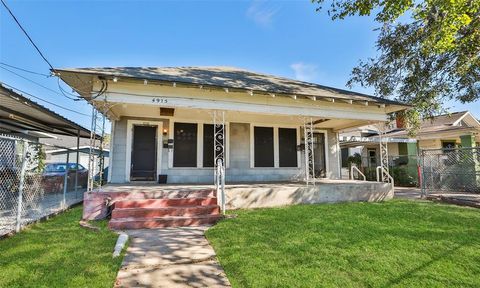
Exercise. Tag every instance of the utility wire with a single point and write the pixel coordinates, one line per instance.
(45, 87)
(26, 34)
(38, 98)
(24, 70)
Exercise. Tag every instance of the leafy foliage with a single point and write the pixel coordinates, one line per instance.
(431, 57)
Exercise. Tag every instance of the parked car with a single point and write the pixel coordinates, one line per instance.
(53, 176)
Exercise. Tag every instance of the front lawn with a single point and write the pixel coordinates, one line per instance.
(395, 243)
(59, 253)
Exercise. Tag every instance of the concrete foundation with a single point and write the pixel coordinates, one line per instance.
(242, 196)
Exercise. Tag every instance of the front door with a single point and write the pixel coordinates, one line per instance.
(144, 153)
(319, 155)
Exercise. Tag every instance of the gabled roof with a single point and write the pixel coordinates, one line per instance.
(228, 77)
(457, 121)
(19, 114)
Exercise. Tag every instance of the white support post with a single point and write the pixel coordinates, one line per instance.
(383, 173)
(65, 181)
(309, 152)
(21, 185)
(219, 153)
(76, 162)
(91, 156)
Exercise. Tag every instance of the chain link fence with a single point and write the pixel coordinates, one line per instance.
(451, 170)
(37, 180)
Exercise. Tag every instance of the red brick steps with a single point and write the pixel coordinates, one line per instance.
(165, 202)
(162, 211)
(162, 222)
(165, 211)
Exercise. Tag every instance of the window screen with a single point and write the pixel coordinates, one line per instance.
(208, 133)
(287, 147)
(263, 146)
(185, 145)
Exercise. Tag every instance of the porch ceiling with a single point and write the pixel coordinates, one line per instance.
(149, 112)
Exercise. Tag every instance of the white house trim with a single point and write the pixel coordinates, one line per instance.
(128, 151)
(228, 105)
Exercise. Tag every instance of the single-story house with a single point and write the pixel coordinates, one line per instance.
(454, 130)
(176, 122)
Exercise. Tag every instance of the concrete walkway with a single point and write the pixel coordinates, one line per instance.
(170, 257)
(462, 199)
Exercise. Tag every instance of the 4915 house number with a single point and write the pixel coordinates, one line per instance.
(159, 100)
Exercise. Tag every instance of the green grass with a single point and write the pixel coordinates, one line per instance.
(59, 253)
(390, 244)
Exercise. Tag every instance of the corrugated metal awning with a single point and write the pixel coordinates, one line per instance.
(20, 114)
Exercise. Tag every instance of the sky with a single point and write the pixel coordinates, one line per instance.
(285, 38)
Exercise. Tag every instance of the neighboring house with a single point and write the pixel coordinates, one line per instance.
(458, 129)
(162, 122)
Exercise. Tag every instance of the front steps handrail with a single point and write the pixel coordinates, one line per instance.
(355, 168)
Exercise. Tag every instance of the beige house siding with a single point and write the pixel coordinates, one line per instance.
(239, 165)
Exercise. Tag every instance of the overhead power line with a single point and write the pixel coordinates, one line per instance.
(44, 87)
(51, 103)
(24, 70)
(26, 34)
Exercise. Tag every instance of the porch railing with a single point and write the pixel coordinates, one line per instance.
(383, 173)
(220, 185)
(355, 168)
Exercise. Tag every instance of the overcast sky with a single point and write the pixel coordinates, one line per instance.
(286, 38)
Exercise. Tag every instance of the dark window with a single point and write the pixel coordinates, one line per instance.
(208, 133)
(263, 146)
(448, 145)
(344, 157)
(287, 147)
(185, 145)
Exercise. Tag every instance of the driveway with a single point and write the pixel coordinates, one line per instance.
(408, 193)
(170, 257)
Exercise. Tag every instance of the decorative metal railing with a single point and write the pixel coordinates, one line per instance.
(309, 152)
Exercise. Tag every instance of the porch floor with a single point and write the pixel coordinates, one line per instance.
(145, 187)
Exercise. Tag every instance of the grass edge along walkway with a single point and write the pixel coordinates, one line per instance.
(395, 243)
(59, 253)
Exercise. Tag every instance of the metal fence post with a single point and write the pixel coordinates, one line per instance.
(424, 187)
(65, 181)
(21, 185)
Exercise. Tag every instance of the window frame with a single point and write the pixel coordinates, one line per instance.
(276, 155)
(199, 122)
(195, 163)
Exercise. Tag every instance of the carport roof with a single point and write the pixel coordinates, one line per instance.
(18, 113)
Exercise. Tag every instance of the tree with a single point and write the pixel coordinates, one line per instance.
(429, 51)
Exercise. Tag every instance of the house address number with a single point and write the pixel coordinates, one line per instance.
(159, 100)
